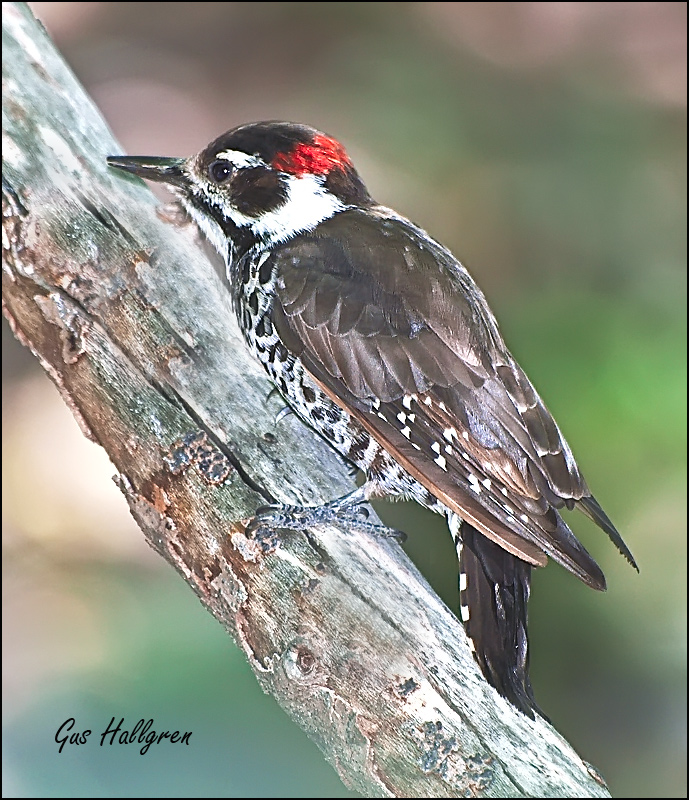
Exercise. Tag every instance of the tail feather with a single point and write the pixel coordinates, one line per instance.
(494, 592)
(590, 506)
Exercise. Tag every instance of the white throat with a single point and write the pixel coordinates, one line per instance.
(210, 229)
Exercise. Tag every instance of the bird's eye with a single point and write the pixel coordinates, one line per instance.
(220, 171)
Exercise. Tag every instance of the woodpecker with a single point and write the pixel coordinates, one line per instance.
(379, 339)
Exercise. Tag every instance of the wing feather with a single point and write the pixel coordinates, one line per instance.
(383, 317)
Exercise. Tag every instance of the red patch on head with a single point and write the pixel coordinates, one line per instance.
(318, 157)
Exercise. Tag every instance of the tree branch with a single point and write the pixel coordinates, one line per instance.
(133, 324)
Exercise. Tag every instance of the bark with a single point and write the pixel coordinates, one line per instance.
(133, 324)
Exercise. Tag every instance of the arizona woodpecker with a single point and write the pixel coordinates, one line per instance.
(380, 340)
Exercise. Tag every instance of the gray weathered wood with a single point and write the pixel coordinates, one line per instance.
(134, 326)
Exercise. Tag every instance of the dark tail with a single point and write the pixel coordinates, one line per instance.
(494, 592)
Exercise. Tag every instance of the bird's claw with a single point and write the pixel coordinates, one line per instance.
(269, 520)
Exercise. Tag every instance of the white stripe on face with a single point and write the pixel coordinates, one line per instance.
(307, 204)
(239, 159)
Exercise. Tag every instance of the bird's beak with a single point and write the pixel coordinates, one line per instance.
(152, 168)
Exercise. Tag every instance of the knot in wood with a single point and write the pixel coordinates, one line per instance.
(301, 663)
(305, 660)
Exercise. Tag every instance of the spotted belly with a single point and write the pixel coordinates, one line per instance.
(385, 477)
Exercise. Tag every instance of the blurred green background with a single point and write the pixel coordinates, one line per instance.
(544, 143)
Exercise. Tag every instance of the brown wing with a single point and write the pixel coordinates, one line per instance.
(396, 332)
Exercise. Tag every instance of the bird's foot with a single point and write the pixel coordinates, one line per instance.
(269, 521)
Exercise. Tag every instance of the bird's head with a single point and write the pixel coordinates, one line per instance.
(261, 183)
